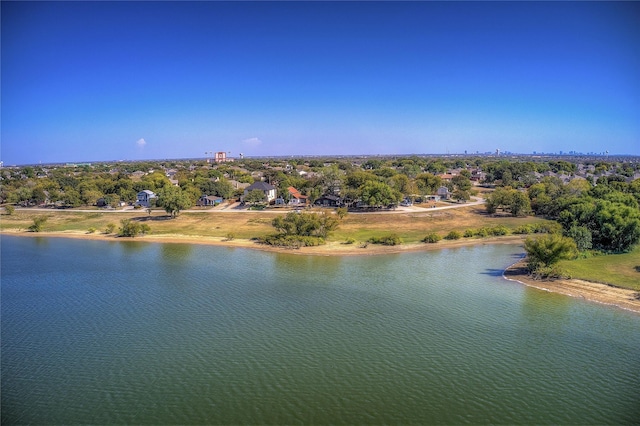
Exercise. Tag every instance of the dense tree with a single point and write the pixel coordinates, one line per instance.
(173, 199)
(582, 237)
(428, 183)
(548, 249)
(356, 179)
(378, 194)
(305, 224)
(255, 196)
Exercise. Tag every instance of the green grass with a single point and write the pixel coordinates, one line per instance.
(615, 269)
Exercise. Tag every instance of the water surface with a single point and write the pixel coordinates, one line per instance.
(145, 333)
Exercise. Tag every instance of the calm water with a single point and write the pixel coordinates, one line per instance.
(97, 332)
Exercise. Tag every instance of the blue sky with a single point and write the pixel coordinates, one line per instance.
(89, 81)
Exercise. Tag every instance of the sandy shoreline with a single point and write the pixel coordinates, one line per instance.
(594, 292)
(332, 248)
(587, 290)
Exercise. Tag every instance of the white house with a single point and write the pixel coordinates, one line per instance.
(269, 190)
(145, 197)
(443, 192)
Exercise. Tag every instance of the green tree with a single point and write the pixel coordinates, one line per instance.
(255, 196)
(461, 182)
(548, 249)
(519, 204)
(38, 222)
(130, 228)
(460, 195)
(305, 224)
(582, 236)
(9, 209)
(428, 183)
(173, 199)
(378, 194)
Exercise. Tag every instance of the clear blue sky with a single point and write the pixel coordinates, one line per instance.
(87, 81)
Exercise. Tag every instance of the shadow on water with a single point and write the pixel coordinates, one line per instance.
(493, 272)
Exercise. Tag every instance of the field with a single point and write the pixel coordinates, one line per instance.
(620, 269)
(410, 226)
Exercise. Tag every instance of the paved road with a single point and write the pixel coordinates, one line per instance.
(235, 208)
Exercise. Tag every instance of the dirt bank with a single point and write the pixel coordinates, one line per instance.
(332, 248)
(594, 292)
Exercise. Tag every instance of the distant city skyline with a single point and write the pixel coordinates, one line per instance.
(104, 81)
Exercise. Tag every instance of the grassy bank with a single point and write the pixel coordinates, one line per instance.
(616, 269)
(410, 227)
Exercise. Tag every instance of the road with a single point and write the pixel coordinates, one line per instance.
(235, 208)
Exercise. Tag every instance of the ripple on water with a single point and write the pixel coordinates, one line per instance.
(172, 334)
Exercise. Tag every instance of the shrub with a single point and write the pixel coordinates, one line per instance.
(468, 233)
(350, 241)
(9, 209)
(291, 241)
(91, 230)
(388, 240)
(37, 224)
(453, 235)
(432, 238)
(547, 228)
(231, 236)
(110, 228)
(499, 230)
(131, 229)
(482, 232)
(523, 230)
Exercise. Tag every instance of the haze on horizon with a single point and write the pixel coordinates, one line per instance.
(142, 80)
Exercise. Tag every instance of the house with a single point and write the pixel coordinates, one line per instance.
(328, 201)
(296, 198)
(209, 200)
(145, 197)
(444, 193)
(269, 190)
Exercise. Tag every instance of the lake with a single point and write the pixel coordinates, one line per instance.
(147, 333)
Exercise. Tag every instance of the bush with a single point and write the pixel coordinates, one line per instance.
(231, 236)
(432, 238)
(482, 232)
(468, 233)
(291, 241)
(389, 240)
(350, 241)
(110, 228)
(131, 229)
(37, 224)
(91, 230)
(499, 230)
(523, 230)
(9, 209)
(453, 235)
(547, 228)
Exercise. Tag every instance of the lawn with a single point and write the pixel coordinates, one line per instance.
(411, 227)
(622, 270)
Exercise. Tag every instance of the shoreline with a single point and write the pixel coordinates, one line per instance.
(604, 294)
(593, 292)
(332, 248)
